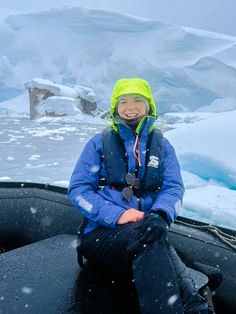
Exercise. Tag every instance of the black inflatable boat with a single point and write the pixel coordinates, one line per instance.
(39, 271)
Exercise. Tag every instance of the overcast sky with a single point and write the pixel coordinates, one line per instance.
(212, 15)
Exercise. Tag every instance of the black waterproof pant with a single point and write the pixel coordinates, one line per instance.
(158, 272)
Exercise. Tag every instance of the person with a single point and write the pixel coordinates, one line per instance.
(128, 186)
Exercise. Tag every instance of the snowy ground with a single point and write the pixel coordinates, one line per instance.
(46, 151)
(41, 151)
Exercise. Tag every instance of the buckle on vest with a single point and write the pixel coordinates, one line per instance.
(127, 193)
(133, 182)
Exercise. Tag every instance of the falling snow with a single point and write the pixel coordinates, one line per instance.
(33, 210)
(84, 204)
(75, 243)
(27, 290)
(95, 168)
(172, 299)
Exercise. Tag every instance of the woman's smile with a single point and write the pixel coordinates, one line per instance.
(131, 106)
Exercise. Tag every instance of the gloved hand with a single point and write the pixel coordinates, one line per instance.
(154, 227)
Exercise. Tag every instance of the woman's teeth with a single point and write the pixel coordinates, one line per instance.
(131, 115)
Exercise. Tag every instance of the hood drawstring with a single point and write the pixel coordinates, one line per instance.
(136, 150)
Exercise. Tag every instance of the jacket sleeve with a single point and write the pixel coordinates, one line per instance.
(83, 186)
(169, 198)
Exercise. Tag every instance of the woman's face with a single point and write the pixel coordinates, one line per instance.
(131, 107)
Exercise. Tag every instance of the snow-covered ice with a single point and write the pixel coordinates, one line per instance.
(205, 148)
(187, 69)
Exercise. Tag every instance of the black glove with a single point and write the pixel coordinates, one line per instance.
(154, 227)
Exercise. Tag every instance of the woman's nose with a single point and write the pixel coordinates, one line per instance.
(130, 105)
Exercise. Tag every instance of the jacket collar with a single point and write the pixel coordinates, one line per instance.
(143, 128)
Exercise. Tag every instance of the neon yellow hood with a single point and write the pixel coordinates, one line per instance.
(132, 86)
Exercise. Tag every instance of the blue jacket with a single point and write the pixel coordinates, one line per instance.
(104, 206)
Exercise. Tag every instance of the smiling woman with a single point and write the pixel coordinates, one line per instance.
(132, 107)
(127, 216)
